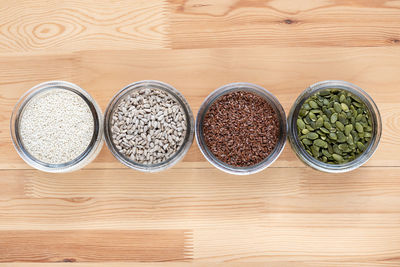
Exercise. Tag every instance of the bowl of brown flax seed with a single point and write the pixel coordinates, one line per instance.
(241, 128)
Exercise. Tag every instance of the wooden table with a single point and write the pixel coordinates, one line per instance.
(287, 215)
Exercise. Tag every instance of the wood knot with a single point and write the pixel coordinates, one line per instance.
(78, 199)
(69, 260)
(289, 21)
(395, 41)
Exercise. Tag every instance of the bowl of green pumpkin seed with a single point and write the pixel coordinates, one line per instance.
(334, 126)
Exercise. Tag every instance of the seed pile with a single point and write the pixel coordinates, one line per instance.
(148, 126)
(241, 128)
(56, 126)
(334, 126)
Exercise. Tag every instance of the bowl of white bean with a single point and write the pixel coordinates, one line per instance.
(148, 126)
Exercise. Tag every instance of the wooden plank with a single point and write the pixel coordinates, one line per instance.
(367, 245)
(238, 23)
(94, 246)
(28, 26)
(354, 240)
(296, 213)
(196, 73)
(190, 184)
(281, 198)
(209, 263)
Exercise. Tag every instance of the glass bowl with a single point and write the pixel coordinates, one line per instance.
(84, 158)
(334, 168)
(248, 87)
(188, 139)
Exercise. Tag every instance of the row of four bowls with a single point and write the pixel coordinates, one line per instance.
(121, 126)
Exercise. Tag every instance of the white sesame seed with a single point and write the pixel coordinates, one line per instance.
(57, 126)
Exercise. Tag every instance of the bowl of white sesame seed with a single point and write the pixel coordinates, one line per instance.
(56, 126)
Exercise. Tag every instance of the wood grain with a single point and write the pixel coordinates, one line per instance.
(289, 210)
(338, 263)
(283, 71)
(209, 24)
(72, 25)
(88, 246)
(287, 215)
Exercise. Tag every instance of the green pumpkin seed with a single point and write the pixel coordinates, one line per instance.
(303, 112)
(356, 99)
(320, 143)
(341, 137)
(364, 120)
(343, 147)
(350, 140)
(326, 153)
(337, 150)
(315, 151)
(324, 130)
(328, 112)
(330, 148)
(334, 117)
(312, 116)
(313, 104)
(305, 131)
(345, 108)
(333, 136)
(360, 146)
(347, 129)
(324, 92)
(327, 125)
(301, 124)
(319, 122)
(313, 125)
(339, 125)
(312, 136)
(337, 107)
(342, 118)
(337, 158)
(306, 141)
(359, 127)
